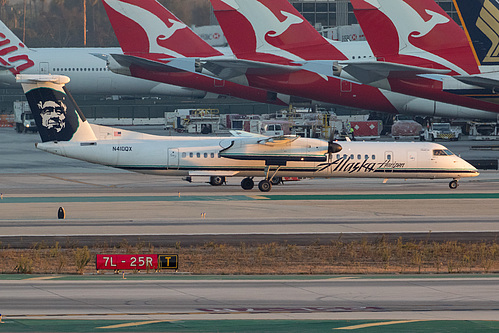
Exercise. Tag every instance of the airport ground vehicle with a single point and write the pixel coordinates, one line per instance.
(442, 131)
(23, 117)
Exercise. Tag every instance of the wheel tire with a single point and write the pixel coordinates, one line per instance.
(453, 184)
(217, 180)
(247, 184)
(276, 180)
(265, 185)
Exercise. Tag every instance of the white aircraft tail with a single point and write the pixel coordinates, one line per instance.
(15, 55)
(56, 114)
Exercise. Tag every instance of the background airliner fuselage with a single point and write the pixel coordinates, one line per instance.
(90, 74)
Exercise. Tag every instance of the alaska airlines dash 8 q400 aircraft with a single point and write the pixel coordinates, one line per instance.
(64, 131)
(269, 50)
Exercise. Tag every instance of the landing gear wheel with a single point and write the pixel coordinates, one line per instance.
(247, 184)
(265, 185)
(276, 180)
(453, 184)
(217, 180)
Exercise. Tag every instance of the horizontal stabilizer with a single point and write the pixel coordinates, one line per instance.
(230, 68)
(170, 65)
(484, 81)
(367, 72)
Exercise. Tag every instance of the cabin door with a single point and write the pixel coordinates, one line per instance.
(44, 68)
(173, 158)
(412, 161)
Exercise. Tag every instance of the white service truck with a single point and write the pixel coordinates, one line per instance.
(442, 131)
(23, 117)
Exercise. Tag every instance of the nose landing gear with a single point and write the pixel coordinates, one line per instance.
(453, 184)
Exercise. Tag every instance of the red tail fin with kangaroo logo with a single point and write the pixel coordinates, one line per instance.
(271, 27)
(146, 27)
(415, 32)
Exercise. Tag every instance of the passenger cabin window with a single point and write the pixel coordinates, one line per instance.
(389, 157)
(205, 155)
(184, 155)
(198, 155)
(373, 157)
(191, 155)
(212, 155)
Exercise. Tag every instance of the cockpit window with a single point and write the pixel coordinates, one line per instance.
(448, 152)
(442, 152)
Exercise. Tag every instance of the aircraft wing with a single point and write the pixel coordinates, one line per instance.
(275, 150)
(227, 68)
(484, 81)
(170, 64)
(367, 72)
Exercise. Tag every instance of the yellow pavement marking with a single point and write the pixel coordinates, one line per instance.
(377, 324)
(43, 278)
(137, 323)
(258, 197)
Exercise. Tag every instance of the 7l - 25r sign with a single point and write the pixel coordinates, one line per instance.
(136, 261)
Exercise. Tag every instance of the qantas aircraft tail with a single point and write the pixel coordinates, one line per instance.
(416, 33)
(14, 55)
(146, 27)
(480, 19)
(56, 114)
(271, 27)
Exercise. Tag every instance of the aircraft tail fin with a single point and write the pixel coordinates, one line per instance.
(417, 33)
(480, 19)
(273, 27)
(14, 54)
(146, 27)
(56, 114)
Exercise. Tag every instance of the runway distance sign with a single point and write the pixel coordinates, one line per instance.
(136, 261)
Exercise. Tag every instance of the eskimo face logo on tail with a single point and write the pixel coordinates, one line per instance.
(53, 115)
(486, 22)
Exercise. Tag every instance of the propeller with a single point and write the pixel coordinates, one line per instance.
(333, 147)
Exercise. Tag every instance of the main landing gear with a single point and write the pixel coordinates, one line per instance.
(453, 184)
(264, 185)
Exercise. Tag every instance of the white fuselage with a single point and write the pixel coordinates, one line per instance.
(201, 156)
(90, 75)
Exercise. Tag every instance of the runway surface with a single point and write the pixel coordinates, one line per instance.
(439, 298)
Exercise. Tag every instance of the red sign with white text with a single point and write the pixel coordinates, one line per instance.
(136, 261)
